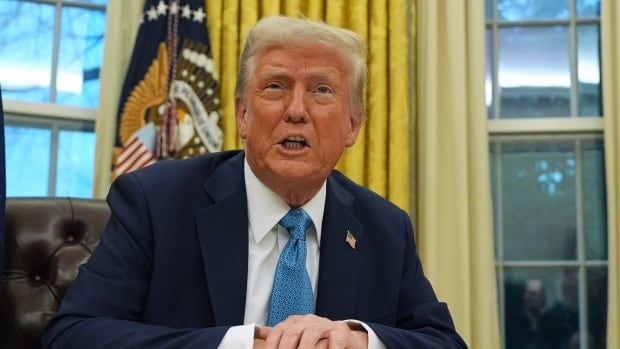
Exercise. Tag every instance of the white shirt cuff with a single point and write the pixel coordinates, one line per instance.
(373, 340)
(238, 337)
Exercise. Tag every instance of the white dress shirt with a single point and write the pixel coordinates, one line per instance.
(266, 239)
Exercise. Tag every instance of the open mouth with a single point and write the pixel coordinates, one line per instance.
(294, 142)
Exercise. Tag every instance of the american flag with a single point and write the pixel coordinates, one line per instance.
(138, 151)
(169, 105)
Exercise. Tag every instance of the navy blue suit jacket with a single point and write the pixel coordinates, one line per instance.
(171, 268)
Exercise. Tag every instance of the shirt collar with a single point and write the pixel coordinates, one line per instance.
(266, 208)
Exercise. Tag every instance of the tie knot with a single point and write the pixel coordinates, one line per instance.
(296, 221)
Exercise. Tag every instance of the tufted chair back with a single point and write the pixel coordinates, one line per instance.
(46, 241)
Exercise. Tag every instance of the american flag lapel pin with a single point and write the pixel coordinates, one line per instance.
(350, 240)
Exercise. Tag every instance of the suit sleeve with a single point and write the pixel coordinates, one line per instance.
(104, 306)
(422, 322)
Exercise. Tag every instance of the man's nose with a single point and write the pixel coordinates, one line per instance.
(297, 109)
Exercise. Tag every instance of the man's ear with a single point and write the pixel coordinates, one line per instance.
(354, 131)
(241, 116)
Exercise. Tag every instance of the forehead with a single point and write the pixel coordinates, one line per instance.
(313, 60)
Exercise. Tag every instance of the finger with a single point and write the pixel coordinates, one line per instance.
(322, 344)
(339, 336)
(293, 319)
(259, 344)
(261, 332)
(336, 340)
(291, 334)
(310, 338)
(358, 339)
(272, 341)
(312, 329)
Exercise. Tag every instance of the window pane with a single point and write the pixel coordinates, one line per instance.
(76, 156)
(27, 160)
(81, 52)
(488, 9)
(597, 307)
(589, 72)
(541, 309)
(534, 72)
(515, 10)
(26, 41)
(488, 84)
(594, 205)
(538, 200)
(588, 8)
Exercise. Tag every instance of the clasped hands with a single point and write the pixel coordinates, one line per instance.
(310, 332)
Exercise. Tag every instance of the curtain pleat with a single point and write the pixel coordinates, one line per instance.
(269, 8)
(398, 127)
(315, 10)
(378, 98)
(452, 186)
(610, 38)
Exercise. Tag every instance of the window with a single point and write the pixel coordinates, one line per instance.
(547, 167)
(50, 57)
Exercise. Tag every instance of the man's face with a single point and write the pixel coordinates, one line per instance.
(295, 115)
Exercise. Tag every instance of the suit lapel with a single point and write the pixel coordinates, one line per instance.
(223, 234)
(339, 262)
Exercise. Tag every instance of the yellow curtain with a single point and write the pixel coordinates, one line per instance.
(380, 159)
(610, 38)
(122, 20)
(452, 186)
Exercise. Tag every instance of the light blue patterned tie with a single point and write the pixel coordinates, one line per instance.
(292, 291)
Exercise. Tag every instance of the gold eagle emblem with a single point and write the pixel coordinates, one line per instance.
(142, 104)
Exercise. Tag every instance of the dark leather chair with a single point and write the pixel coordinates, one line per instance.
(46, 241)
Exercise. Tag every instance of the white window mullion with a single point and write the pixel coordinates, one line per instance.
(51, 177)
(500, 240)
(55, 51)
(51, 111)
(581, 254)
(574, 64)
(545, 125)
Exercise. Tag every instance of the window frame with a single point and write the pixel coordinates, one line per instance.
(494, 24)
(49, 115)
(55, 125)
(582, 263)
(570, 127)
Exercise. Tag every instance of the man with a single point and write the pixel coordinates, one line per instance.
(271, 237)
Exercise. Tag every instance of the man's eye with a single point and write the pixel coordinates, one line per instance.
(323, 89)
(273, 86)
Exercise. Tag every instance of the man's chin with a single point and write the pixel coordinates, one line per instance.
(300, 174)
(295, 174)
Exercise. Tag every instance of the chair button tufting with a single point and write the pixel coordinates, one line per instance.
(47, 239)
